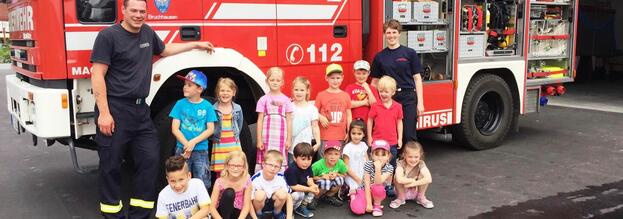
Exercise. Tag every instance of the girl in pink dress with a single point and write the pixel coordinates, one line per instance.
(274, 119)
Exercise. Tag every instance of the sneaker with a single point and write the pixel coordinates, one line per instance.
(425, 202)
(377, 211)
(313, 204)
(397, 203)
(332, 200)
(280, 215)
(303, 212)
(389, 190)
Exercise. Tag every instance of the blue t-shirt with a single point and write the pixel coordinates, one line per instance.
(400, 64)
(193, 120)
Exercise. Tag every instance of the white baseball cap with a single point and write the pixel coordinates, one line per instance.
(362, 64)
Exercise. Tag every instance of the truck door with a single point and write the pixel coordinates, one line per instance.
(314, 33)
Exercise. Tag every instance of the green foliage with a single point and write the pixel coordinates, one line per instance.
(5, 54)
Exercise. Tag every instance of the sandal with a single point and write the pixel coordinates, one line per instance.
(377, 211)
(397, 203)
(425, 202)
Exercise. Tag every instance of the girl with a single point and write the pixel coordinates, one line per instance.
(274, 119)
(226, 135)
(304, 117)
(412, 177)
(370, 195)
(231, 195)
(355, 154)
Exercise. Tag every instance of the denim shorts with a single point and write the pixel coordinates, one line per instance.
(199, 165)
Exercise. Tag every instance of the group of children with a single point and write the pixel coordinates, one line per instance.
(336, 131)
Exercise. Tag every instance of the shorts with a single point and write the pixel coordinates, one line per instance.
(327, 184)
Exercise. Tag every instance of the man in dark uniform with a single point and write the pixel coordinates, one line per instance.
(403, 64)
(122, 61)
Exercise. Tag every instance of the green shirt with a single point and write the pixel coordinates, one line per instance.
(320, 167)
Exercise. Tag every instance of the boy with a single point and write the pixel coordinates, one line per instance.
(385, 120)
(183, 197)
(334, 108)
(300, 178)
(329, 173)
(270, 189)
(362, 95)
(193, 122)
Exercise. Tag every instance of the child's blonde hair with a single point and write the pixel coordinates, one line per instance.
(273, 155)
(305, 82)
(387, 82)
(274, 70)
(413, 145)
(232, 155)
(227, 82)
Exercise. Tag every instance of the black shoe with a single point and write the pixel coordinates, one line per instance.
(313, 204)
(332, 200)
(389, 190)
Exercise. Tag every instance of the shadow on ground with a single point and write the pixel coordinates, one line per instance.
(604, 201)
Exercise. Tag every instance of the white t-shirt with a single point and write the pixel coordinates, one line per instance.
(174, 205)
(269, 186)
(356, 158)
(301, 124)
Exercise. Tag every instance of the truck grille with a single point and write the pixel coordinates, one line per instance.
(23, 43)
(25, 66)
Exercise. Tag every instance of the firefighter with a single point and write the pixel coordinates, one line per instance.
(122, 62)
(403, 64)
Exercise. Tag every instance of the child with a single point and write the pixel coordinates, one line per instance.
(329, 174)
(274, 119)
(385, 117)
(193, 122)
(182, 189)
(412, 177)
(232, 191)
(270, 189)
(362, 95)
(377, 171)
(300, 178)
(304, 118)
(385, 121)
(334, 107)
(226, 136)
(355, 154)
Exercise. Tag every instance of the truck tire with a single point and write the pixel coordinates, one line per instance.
(487, 113)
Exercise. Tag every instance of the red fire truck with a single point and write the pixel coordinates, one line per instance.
(486, 61)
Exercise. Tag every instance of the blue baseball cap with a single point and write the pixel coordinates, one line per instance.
(196, 77)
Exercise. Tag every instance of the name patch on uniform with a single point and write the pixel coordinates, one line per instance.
(144, 45)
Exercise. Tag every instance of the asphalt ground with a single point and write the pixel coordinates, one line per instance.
(563, 163)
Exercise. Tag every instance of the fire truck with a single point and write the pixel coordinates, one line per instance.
(485, 61)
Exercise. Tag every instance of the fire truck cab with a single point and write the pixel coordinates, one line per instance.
(486, 61)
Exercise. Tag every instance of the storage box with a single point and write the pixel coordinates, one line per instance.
(471, 45)
(426, 11)
(440, 40)
(402, 11)
(421, 40)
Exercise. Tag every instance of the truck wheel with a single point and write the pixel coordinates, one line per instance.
(487, 113)
(162, 121)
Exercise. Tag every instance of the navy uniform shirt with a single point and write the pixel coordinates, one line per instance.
(401, 64)
(129, 59)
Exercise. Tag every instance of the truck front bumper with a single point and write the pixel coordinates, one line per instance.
(44, 112)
